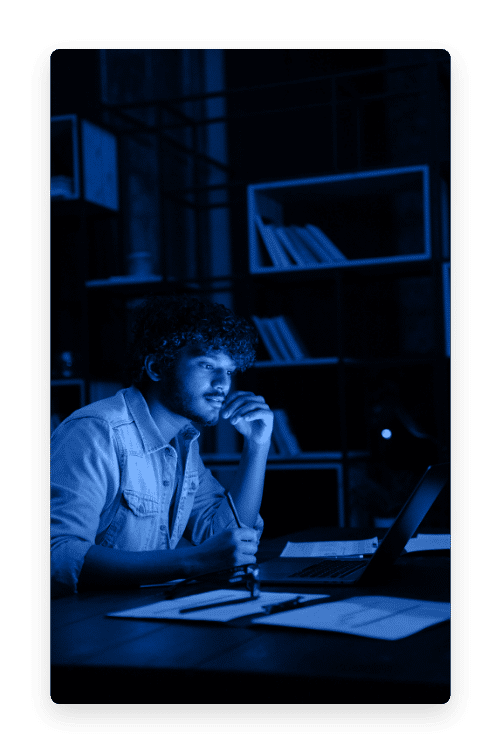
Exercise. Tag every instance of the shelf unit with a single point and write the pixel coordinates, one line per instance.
(83, 162)
(366, 213)
(380, 222)
(405, 184)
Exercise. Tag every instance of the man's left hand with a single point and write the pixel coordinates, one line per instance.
(250, 415)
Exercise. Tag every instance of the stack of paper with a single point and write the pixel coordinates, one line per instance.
(170, 609)
(389, 618)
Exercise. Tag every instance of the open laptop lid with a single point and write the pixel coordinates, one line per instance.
(283, 570)
(407, 521)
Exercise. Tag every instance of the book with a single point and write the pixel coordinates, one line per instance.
(285, 436)
(267, 338)
(313, 243)
(300, 254)
(316, 254)
(295, 336)
(279, 349)
(274, 248)
(282, 340)
(325, 241)
(278, 437)
(285, 333)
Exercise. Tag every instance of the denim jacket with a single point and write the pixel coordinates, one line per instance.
(113, 478)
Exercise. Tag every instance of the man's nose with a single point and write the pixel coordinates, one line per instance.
(221, 381)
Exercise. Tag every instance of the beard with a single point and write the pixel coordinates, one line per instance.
(177, 398)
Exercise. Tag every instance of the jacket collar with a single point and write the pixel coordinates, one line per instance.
(150, 433)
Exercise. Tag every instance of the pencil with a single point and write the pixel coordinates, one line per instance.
(233, 509)
(254, 585)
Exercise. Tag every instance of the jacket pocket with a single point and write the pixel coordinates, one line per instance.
(140, 505)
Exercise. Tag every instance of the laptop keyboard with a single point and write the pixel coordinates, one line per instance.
(331, 568)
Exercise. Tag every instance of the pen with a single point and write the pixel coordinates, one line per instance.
(215, 604)
(233, 509)
(297, 602)
(252, 579)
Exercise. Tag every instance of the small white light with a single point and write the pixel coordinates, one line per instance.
(386, 433)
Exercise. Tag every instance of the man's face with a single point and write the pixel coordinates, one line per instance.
(196, 388)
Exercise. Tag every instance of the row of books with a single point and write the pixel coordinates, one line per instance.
(280, 338)
(295, 245)
(284, 441)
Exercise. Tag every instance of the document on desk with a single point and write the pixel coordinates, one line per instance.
(428, 542)
(390, 618)
(331, 548)
(170, 609)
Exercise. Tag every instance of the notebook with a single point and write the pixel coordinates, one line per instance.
(303, 570)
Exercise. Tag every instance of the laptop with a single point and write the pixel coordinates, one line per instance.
(307, 571)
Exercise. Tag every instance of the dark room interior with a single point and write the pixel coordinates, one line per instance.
(192, 130)
(308, 190)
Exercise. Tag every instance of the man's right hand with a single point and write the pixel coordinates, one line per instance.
(231, 548)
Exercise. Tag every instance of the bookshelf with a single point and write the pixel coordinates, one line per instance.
(371, 217)
(352, 310)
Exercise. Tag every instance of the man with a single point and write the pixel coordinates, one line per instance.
(127, 479)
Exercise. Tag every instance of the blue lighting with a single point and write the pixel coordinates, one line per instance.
(387, 434)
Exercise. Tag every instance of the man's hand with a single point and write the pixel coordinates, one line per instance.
(231, 548)
(250, 415)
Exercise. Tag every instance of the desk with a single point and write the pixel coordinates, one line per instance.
(98, 660)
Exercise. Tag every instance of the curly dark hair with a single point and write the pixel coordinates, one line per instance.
(165, 324)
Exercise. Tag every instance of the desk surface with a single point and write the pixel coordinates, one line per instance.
(98, 660)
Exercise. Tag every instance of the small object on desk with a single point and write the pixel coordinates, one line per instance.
(217, 604)
(252, 581)
(281, 606)
(296, 603)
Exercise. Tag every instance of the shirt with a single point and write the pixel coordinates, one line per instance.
(113, 478)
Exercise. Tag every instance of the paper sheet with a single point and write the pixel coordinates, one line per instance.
(389, 618)
(428, 541)
(331, 548)
(169, 609)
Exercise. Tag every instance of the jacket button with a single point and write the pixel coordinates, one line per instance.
(162, 528)
(166, 482)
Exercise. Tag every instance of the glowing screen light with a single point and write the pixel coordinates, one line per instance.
(386, 433)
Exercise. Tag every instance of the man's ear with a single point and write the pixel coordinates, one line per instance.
(151, 368)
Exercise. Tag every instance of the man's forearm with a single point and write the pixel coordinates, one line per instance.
(115, 568)
(247, 488)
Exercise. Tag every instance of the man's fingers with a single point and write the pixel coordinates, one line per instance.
(251, 413)
(245, 534)
(241, 401)
(245, 408)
